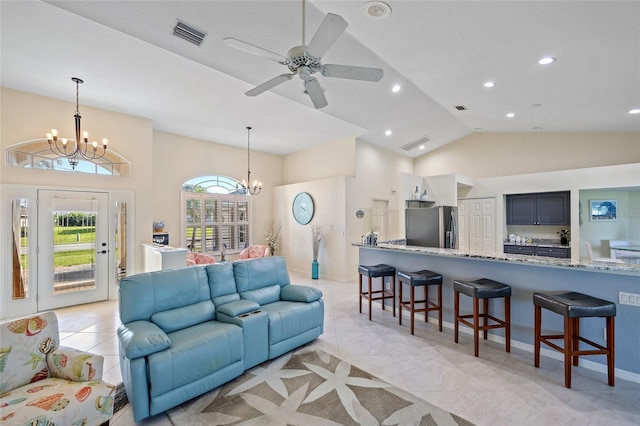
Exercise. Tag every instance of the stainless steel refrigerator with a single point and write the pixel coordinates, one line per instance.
(432, 227)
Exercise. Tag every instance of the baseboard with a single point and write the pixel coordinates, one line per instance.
(590, 365)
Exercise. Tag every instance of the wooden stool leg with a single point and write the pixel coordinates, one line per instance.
(393, 292)
(383, 294)
(611, 350)
(568, 333)
(360, 290)
(576, 342)
(413, 307)
(370, 297)
(485, 320)
(426, 302)
(507, 319)
(536, 335)
(440, 307)
(456, 309)
(400, 303)
(476, 322)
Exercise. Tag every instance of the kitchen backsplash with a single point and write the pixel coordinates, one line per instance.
(536, 232)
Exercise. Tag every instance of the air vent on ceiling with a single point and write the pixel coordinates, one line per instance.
(460, 107)
(188, 33)
(415, 144)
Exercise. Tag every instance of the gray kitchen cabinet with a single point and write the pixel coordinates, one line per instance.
(561, 252)
(545, 208)
(526, 250)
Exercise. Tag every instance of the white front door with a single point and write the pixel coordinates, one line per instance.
(72, 248)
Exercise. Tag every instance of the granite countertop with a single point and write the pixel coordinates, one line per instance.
(621, 268)
(538, 244)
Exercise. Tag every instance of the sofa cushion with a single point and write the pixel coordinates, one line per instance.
(300, 293)
(142, 295)
(24, 345)
(141, 338)
(222, 283)
(288, 319)
(195, 352)
(185, 316)
(56, 401)
(259, 279)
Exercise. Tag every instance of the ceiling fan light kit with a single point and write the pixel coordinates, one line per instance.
(305, 60)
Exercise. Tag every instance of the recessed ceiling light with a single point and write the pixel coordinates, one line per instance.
(396, 88)
(510, 115)
(634, 111)
(388, 133)
(421, 147)
(536, 128)
(547, 60)
(489, 84)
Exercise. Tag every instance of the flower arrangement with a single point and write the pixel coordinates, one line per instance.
(316, 237)
(158, 226)
(371, 237)
(272, 236)
(564, 236)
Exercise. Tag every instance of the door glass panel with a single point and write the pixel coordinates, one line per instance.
(20, 248)
(243, 211)
(228, 211)
(243, 236)
(211, 241)
(228, 237)
(74, 249)
(210, 211)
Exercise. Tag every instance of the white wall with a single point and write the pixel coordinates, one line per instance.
(26, 117)
(487, 154)
(177, 159)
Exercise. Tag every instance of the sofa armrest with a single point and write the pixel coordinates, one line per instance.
(142, 338)
(238, 307)
(75, 365)
(300, 293)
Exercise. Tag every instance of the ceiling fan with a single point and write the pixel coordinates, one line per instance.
(305, 60)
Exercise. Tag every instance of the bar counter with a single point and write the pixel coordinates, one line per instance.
(526, 275)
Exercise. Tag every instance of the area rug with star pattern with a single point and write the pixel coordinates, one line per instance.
(309, 387)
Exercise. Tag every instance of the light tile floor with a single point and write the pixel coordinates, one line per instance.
(495, 389)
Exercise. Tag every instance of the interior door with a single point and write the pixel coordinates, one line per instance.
(380, 218)
(72, 248)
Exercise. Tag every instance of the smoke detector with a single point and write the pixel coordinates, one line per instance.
(376, 10)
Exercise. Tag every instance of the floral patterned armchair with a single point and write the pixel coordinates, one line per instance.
(42, 383)
(254, 251)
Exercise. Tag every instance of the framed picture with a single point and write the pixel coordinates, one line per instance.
(603, 210)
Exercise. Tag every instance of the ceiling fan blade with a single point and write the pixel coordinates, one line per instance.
(354, 73)
(269, 84)
(255, 50)
(315, 92)
(331, 28)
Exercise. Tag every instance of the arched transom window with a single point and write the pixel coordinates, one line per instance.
(216, 215)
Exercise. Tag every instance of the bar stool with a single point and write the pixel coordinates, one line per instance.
(424, 279)
(377, 271)
(484, 289)
(574, 306)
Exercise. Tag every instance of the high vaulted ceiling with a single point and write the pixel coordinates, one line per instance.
(440, 52)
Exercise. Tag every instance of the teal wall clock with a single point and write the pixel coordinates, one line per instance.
(303, 208)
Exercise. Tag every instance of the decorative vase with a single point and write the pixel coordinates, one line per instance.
(563, 240)
(416, 194)
(424, 196)
(314, 270)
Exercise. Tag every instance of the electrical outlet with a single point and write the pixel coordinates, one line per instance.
(629, 299)
(388, 286)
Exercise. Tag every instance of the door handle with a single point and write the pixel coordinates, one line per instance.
(103, 251)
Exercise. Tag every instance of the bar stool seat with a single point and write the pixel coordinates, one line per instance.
(377, 271)
(484, 289)
(424, 278)
(573, 306)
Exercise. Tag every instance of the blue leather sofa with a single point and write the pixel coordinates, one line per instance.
(189, 330)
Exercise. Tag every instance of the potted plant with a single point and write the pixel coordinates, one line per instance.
(316, 237)
(564, 236)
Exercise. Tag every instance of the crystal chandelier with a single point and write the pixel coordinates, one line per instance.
(82, 149)
(256, 187)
